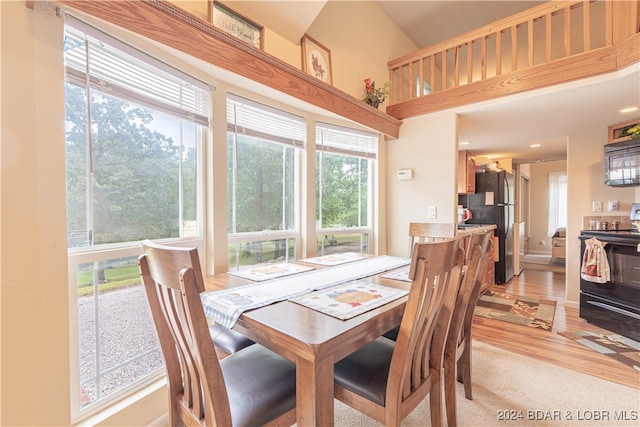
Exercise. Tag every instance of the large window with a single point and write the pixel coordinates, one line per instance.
(344, 183)
(263, 146)
(134, 130)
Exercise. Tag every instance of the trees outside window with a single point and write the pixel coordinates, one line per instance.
(263, 146)
(344, 182)
(133, 140)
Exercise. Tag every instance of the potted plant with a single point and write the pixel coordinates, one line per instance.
(375, 96)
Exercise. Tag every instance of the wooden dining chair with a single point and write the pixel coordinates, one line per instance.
(386, 380)
(225, 340)
(457, 353)
(253, 386)
(421, 232)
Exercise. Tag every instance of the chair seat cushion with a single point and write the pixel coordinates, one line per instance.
(227, 339)
(365, 372)
(393, 334)
(260, 384)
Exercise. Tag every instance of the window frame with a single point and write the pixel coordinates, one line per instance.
(368, 153)
(80, 255)
(299, 147)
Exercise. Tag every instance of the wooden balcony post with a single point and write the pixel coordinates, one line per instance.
(625, 20)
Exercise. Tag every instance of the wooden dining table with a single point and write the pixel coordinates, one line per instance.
(313, 341)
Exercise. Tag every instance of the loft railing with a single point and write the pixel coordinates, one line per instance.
(553, 33)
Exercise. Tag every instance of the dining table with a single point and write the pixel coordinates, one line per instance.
(311, 339)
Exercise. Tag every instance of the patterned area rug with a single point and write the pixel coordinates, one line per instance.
(617, 347)
(521, 310)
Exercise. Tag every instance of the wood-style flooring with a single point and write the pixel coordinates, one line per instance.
(550, 346)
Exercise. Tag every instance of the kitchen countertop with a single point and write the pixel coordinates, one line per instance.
(473, 228)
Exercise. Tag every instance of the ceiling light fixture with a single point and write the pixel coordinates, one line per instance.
(464, 143)
(628, 110)
(535, 145)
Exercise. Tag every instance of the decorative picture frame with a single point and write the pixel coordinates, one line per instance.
(235, 24)
(316, 59)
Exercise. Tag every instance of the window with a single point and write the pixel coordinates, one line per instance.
(344, 188)
(263, 146)
(557, 201)
(134, 130)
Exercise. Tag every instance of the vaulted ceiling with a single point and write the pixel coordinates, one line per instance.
(504, 127)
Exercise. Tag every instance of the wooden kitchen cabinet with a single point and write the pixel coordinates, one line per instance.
(616, 132)
(466, 173)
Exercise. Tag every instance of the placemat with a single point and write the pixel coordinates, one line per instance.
(402, 274)
(350, 299)
(263, 272)
(335, 259)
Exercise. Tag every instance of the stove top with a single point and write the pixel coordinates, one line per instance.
(628, 237)
(613, 232)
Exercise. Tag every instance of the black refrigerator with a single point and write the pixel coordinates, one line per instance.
(493, 203)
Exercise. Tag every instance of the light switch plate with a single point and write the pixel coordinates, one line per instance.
(432, 212)
(596, 206)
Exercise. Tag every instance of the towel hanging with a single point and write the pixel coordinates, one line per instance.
(595, 266)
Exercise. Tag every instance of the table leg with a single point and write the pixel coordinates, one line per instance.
(314, 392)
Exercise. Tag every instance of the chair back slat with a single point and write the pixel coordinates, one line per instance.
(197, 392)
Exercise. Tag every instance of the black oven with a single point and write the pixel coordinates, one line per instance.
(614, 305)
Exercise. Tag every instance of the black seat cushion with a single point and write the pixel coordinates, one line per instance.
(227, 339)
(365, 372)
(260, 384)
(392, 334)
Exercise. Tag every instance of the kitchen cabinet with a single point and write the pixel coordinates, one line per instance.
(466, 173)
(617, 132)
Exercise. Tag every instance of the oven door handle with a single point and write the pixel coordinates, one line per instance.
(616, 309)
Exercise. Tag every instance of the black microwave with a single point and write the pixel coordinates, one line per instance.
(622, 163)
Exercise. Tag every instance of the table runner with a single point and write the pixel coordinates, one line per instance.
(225, 307)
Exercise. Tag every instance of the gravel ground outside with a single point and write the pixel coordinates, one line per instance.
(126, 330)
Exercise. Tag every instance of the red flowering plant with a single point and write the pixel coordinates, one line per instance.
(375, 96)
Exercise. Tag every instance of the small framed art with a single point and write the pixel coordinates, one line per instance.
(316, 59)
(237, 25)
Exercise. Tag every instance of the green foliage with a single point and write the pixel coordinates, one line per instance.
(132, 192)
(344, 187)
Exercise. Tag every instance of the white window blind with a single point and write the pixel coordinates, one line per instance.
(120, 70)
(251, 118)
(342, 140)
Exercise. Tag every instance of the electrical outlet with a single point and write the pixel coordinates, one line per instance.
(613, 205)
(596, 206)
(432, 212)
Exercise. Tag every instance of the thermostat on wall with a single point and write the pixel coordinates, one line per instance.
(405, 174)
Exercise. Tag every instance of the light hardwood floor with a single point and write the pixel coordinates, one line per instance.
(550, 346)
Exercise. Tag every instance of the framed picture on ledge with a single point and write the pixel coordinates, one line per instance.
(235, 24)
(316, 59)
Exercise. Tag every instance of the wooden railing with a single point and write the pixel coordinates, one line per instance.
(545, 45)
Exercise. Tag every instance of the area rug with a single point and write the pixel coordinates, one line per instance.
(512, 390)
(518, 309)
(615, 346)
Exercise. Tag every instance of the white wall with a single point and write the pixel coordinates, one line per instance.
(35, 302)
(429, 146)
